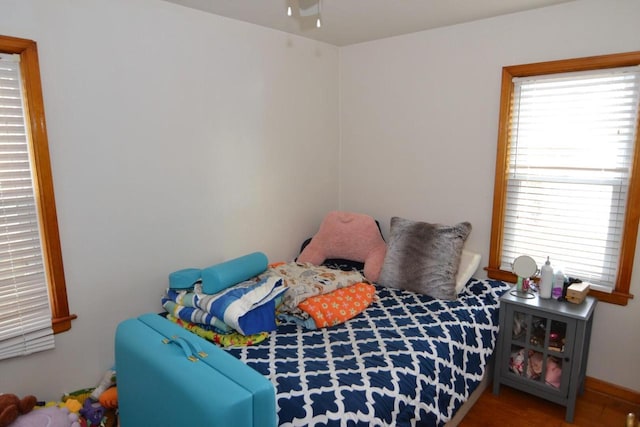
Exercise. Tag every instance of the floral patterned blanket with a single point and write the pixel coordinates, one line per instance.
(305, 280)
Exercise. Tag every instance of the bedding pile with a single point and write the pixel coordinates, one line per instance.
(408, 359)
(302, 293)
(313, 291)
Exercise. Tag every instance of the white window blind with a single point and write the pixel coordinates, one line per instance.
(25, 315)
(571, 147)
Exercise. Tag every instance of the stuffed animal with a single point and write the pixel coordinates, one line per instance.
(109, 399)
(351, 236)
(554, 372)
(93, 412)
(11, 407)
(108, 380)
(51, 416)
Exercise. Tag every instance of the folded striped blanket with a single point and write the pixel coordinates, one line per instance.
(248, 307)
(193, 315)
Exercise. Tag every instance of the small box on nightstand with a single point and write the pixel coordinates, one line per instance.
(577, 292)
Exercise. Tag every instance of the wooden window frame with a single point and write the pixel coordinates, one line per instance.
(621, 294)
(43, 180)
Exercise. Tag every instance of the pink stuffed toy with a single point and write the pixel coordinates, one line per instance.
(554, 372)
(351, 236)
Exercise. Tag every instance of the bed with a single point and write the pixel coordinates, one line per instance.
(408, 359)
(419, 354)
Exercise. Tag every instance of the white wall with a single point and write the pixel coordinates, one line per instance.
(419, 118)
(178, 139)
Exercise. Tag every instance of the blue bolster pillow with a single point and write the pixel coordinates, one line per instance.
(184, 279)
(221, 276)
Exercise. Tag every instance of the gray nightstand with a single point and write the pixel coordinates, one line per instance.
(543, 347)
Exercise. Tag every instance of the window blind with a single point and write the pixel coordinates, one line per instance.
(25, 314)
(571, 147)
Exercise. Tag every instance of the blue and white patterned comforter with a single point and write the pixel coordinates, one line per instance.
(407, 360)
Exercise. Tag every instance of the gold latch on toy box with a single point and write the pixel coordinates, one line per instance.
(577, 292)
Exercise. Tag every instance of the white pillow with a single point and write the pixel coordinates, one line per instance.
(469, 262)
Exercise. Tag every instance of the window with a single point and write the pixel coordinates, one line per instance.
(566, 184)
(33, 298)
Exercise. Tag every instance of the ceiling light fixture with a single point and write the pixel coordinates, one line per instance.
(307, 8)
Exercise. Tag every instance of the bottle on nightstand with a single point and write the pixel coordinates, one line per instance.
(558, 284)
(546, 280)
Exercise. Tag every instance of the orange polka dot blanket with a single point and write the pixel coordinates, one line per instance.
(340, 305)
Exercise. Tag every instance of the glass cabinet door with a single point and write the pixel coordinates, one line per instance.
(537, 349)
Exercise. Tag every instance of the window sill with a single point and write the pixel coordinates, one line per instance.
(616, 297)
(62, 324)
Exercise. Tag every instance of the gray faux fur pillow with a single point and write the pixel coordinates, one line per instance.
(423, 257)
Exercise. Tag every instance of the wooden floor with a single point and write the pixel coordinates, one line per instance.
(519, 409)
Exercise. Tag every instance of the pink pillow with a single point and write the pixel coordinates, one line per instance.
(351, 236)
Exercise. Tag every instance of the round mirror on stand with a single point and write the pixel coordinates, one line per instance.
(524, 267)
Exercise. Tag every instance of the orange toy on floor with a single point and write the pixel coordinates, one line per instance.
(109, 398)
